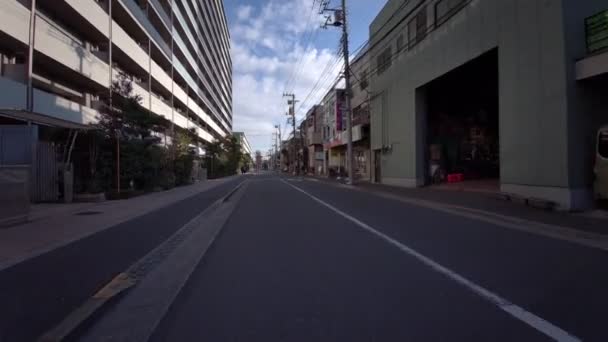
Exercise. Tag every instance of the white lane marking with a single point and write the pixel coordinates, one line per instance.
(517, 312)
(580, 237)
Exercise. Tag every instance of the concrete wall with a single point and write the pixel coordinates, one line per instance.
(536, 67)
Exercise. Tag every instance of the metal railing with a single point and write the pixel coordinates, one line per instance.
(596, 32)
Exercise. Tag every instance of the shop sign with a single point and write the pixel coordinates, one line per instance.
(597, 32)
(319, 155)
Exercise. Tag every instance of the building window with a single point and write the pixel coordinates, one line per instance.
(602, 145)
(363, 81)
(361, 162)
(384, 60)
(417, 27)
(445, 9)
(400, 43)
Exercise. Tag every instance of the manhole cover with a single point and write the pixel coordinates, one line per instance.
(86, 213)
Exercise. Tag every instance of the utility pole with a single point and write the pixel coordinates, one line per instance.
(111, 92)
(279, 147)
(30, 59)
(272, 151)
(340, 19)
(277, 137)
(292, 112)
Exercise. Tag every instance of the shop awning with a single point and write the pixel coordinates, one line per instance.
(41, 119)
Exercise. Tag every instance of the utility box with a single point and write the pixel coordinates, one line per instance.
(14, 197)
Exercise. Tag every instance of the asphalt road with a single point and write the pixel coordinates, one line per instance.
(37, 294)
(289, 268)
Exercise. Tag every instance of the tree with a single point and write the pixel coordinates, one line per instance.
(224, 157)
(131, 134)
(213, 152)
(183, 153)
(234, 153)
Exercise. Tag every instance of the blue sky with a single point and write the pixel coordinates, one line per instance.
(269, 48)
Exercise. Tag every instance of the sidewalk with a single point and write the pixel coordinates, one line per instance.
(595, 222)
(54, 225)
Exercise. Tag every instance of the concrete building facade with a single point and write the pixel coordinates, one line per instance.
(314, 140)
(547, 116)
(176, 52)
(334, 124)
(360, 67)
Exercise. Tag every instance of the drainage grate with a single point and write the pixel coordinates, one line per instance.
(87, 213)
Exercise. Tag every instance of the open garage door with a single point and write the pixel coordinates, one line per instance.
(462, 139)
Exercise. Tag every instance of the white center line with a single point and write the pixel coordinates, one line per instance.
(517, 312)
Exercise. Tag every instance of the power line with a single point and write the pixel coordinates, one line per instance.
(322, 81)
(408, 44)
(308, 33)
(312, 38)
(331, 64)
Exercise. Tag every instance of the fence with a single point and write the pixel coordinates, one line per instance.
(16, 148)
(45, 186)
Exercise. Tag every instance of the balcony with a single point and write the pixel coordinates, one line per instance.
(53, 41)
(45, 103)
(313, 138)
(130, 47)
(133, 8)
(158, 7)
(160, 107)
(596, 62)
(596, 31)
(361, 116)
(14, 19)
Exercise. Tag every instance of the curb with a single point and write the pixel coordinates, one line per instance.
(134, 275)
(15, 260)
(573, 235)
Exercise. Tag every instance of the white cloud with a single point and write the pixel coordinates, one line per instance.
(244, 12)
(266, 47)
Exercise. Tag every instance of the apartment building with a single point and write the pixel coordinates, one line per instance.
(507, 90)
(176, 52)
(245, 145)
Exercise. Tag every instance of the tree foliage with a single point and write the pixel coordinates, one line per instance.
(132, 134)
(225, 157)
